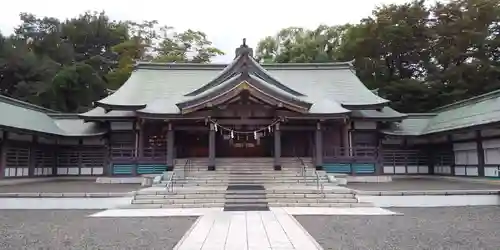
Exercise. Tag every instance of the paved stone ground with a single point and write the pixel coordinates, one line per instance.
(420, 228)
(68, 186)
(422, 184)
(72, 229)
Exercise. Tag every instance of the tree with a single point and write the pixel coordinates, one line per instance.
(188, 46)
(66, 65)
(445, 52)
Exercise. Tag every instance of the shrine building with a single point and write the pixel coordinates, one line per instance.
(322, 111)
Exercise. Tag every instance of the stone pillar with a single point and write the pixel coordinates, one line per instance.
(319, 147)
(277, 147)
(211, 148)
(170, 147)
(480, 153)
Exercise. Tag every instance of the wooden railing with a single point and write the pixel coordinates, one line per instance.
(350, 152)
(129, 154)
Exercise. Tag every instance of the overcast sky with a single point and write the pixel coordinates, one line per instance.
(225, 22)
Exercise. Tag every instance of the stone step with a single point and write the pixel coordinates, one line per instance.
(224, 184)
(243, 181)
(320, 204)
(241, 201)
(215, 205)
(245, 196)
(267, 191)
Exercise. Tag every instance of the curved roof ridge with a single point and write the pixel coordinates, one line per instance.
(244, 63)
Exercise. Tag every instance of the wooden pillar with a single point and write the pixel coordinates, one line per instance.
(55, 157)
(32, 156)
(3, 153)
(136, 148)
(431, 157)
(211, 148)
(480, 153)
(170, 147)
(379, 157)
(108, 170)
(346, 140)
(449, 141)
(319, 147)
(277, 147)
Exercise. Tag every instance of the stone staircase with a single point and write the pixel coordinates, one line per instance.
(246, 184)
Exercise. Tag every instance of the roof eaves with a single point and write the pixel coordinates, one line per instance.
(109, 107)
(25, 105)
(469, 101)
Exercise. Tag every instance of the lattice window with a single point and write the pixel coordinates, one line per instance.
(44, 158)
(404, 157)
(444, 158)
(364, 139)
(93, 156)
(67, 158)
(154, 141)
(17, 157)
(122, 144)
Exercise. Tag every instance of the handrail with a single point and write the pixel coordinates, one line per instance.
(320, 186)
(170, 183)
(187, 167)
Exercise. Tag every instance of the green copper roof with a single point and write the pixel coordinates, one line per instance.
(479, 110)
(386, 113)
(412, 125)
(160, 87)
(28, 117)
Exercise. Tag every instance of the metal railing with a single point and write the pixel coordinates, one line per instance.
(187, 167)
(303, 172)
(170, 183)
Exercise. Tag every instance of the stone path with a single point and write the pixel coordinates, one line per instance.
(276, 229)
(254, 230)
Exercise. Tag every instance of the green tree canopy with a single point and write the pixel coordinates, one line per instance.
(418, 55)
(68, 64)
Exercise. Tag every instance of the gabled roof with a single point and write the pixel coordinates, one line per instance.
(235, 85)
(329, 88)
(18, 115)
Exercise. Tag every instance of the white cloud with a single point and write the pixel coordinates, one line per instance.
(226, 22)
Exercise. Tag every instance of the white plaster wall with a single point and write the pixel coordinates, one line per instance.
(491, 151)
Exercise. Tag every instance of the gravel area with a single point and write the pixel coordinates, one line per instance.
(467, 228)
(72, 229)
(68, 186)
(423, 184)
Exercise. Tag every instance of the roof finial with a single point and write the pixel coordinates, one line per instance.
(244, 49)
